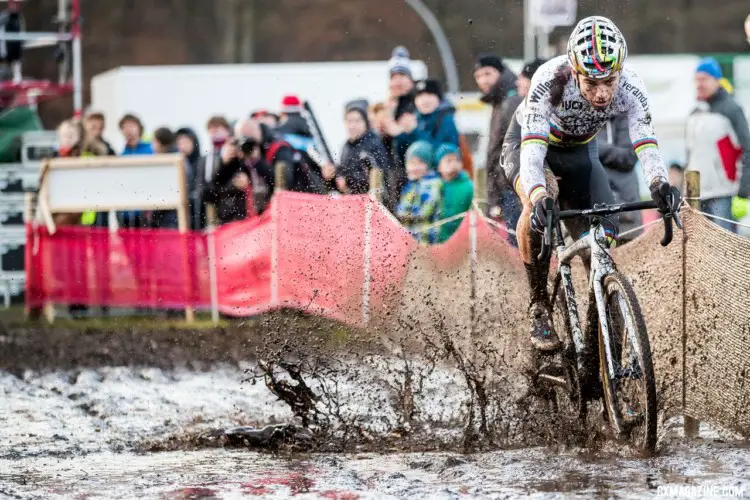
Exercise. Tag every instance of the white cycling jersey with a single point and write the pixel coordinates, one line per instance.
(576, 122)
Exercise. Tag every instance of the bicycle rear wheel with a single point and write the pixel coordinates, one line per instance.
(629, 396)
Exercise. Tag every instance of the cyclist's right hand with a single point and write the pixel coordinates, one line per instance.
(539, 215)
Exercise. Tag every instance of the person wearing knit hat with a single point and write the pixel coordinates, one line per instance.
(527, 73)
(361, 106)
(429, 86)
(291, 104)
(444, 150)
(718, 143)
(419, 205)
(424, 153)
(435, 115)
(497, 84)
(458, 190)
(400, 63)
(362, 151)
(489, 60)
(292, 125)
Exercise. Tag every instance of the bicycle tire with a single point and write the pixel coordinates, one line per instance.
(617, 282)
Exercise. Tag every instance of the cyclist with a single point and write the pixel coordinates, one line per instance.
(549, 149)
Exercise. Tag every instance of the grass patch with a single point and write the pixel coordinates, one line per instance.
(15, 317)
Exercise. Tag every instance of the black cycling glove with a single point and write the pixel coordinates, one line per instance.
(539, 215)
(666, 197)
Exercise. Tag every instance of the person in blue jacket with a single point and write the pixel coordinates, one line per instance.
(434, 121)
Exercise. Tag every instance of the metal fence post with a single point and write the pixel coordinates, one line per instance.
(693, 197)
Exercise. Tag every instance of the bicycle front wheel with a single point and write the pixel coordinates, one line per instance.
(629, 395)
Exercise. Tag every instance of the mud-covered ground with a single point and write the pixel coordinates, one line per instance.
(154, 412)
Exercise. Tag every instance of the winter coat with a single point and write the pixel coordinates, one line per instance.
(296, 131)
(618, 157)
(718, 146)
(134, 218)
(436, 128)
(420, 206)
(353, 166)
(457, 196)
(295, 124)
(504, 100)
(230, 202)
(195, 173)
(142, 148)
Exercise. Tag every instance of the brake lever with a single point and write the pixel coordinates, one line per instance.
(546, 249)
(676, 212)
(668, 230)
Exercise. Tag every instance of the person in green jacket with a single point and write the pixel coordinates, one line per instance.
(458, 190)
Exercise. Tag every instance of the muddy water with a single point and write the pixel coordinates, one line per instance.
(82, 434)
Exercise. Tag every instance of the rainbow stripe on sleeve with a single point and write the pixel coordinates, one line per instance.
(535, 139)
(648, 142)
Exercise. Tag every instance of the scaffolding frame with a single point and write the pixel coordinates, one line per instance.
(69, 31)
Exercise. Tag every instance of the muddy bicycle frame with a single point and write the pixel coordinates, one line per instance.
(602, 265)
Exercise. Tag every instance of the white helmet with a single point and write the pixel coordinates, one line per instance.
(596, 48)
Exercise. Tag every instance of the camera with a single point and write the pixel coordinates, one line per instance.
(246, 145)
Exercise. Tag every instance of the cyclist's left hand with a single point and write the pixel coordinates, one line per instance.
(666, 197)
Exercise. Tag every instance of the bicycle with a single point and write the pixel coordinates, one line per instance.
(615, 311)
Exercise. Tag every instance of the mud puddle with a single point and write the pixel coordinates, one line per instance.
(699, 471)
(82, 434)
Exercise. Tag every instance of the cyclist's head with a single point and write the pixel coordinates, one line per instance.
(597, 53)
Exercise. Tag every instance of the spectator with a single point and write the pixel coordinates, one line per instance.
(377, 114)
(94, 126)
(132, 129)
(677, 176)
(401, 82)
(527, 73)
(299, 172)
(195, 168)
(458, 190)
(618, 157)
(399, 103)
(435, 122)
(362, 151)
(294, 128)
(219, 131)
(747, 28)
(266, 117)
(718, 144)
(12, 21)
(230, 187)
(421, 198)
(497, 84)
(70, 137)
(163, 141)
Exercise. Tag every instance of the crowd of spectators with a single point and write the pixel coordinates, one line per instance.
(411, 136)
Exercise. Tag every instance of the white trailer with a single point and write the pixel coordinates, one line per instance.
(178, 96)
